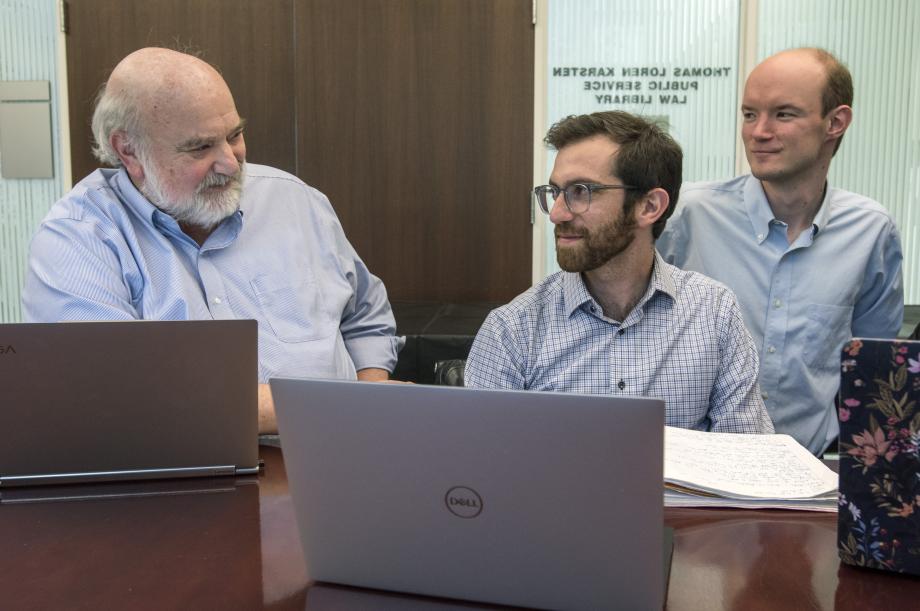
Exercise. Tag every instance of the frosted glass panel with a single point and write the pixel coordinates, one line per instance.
(880, 154)
(27, 53)
(675, 60)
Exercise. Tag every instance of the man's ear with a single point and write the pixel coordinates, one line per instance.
(839, 120)
(651, 207)
(127, 153)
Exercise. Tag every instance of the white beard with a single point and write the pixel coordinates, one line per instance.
(205, 210)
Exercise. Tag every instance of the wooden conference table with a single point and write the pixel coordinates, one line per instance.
(232, 544)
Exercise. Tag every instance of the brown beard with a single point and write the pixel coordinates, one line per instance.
(598, 246)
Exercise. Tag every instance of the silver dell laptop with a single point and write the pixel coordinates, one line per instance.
(107, 401)
(548, 500)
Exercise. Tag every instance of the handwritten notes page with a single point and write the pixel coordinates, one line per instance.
(745, 470)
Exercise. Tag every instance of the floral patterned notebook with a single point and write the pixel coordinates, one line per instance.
(879, 516)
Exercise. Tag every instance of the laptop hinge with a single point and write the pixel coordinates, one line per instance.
(115, 476)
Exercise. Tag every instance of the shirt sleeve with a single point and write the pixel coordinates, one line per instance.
(496, 359)
(75, 274)
(736, 405)
(879, 310)
(367, 324)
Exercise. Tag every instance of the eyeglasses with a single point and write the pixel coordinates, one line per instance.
(577, 195)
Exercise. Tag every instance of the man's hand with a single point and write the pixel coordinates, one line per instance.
(268, 424)
(378, 375)
(373, 375)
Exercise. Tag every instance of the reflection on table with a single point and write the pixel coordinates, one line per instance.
(232, 544)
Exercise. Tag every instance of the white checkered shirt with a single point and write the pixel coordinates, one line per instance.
(684, 342)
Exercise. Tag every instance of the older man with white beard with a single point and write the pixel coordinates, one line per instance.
(183, 229)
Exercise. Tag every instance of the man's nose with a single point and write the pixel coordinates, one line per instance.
(560, 212)
(762, 129)
(228, 161)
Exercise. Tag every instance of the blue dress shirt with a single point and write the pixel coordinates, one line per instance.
(104, 252)
(800, 301)
(684, 342)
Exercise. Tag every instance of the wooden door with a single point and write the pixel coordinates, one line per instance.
(415, 117)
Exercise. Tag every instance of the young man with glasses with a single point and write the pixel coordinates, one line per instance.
(619, 320)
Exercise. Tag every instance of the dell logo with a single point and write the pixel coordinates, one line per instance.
(7, 349)
(463, 502)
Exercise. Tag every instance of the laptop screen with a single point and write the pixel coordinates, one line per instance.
(523, 498)
(127, 400)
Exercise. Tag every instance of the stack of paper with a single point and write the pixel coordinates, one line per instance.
(749, 471)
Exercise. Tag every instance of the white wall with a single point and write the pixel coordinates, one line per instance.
(28, 52)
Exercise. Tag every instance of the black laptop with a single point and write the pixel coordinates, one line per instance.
(109, 401)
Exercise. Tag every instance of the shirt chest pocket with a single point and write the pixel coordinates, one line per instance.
(294, 307)
(828, 328)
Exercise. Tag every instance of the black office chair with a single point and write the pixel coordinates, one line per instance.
(449, 372)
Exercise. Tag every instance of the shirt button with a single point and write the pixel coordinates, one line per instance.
(216, 300)
(771, 349)
(621, 384)
(777, 303)
(759, 236)
(765, 396)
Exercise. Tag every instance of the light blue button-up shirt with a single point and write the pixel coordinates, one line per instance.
(104, 252)
(684, 342)
(800, 301)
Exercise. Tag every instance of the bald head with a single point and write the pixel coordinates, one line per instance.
(836, 81)
(810, 76)
(146, 90)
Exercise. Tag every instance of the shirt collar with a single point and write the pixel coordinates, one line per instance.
(761, 214)
(758, 208)
(575, 294)
(824, 212)
(662, 280)
(134, 199)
